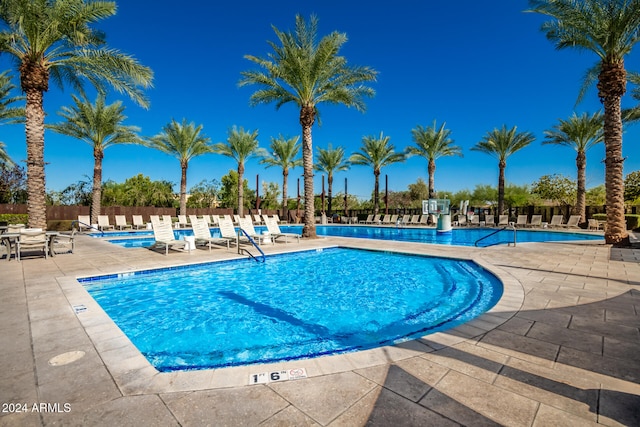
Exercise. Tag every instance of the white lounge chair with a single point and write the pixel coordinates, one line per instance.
(121, 222)
(475, 220)
(167, 219)
(103, 223)
(556, 221)
(257, 219)
(163, 233)
(522, 221)
(368, 220)
(503, 220)
(462, 220)
(594, 224)
(227, 230)
(489, 220)
(573, 222)
(84, 222)
(154, 219)
(182, 221)
(536, 221)
(138, 223)
(215, 220)
(203, 234)
(246, 224)
(275, 232)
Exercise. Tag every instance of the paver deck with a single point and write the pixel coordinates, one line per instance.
(562, 347)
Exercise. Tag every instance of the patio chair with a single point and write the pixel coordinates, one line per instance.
(30, 240)
(475, 221)
(522, 221)
(424, 220)
(138, 223)
(386, 219)
(246, 224)
(215, 220)
(84, 222)
(489, 220)
(121, 222)
(275, 232)
(536, 221)
(163, 233)
(103, 223)
(462, 220)
(375, 219)
(66, 240)
(503, 220)
(257, 219)
(203, 234)
(227, 230)
(167, 219)
(182, 221)
(594, 224)
(368, 220)
(573, 222)
(556, 221)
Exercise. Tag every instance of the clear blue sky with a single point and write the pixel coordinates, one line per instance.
(474, 65)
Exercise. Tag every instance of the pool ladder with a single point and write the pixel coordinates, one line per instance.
(253, 242)
(511, 225)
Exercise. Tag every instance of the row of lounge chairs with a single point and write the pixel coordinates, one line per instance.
(164, 237)
(391, 219)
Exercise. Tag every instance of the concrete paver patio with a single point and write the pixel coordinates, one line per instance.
(561, 348)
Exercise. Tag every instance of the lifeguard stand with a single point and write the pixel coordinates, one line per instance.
(441, 209)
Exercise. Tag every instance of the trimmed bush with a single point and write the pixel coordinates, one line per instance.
(633, 220)
(14, 218)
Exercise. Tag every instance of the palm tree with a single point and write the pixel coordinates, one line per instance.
(608, 28)
(328, 161)
(502, 143)
(433, 143)
(54, 39)
(240, 146)
(308, 73)
(580, 133)
(377, 153)
(100, 126)
(184, 141)
(9, 114)
(284, 155)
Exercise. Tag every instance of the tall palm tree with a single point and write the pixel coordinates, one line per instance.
(330, 161)
(377, 153)
(184, 141)
(101, 127)
(307, 73)
(9, 113)
(580, 133)
(433, 143)
(284, 154)
(502, 143)
(54, 39)
(610, 29)
(241, 145)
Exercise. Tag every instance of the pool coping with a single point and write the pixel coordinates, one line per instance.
(134, 375)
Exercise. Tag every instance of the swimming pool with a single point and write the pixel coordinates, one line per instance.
(458, 236)
(294, 306)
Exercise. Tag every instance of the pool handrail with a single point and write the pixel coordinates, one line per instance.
(89, 226)
(253, 242)
(513, 227)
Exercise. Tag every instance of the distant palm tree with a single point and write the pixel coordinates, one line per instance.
(433, 143)
(8, 113)
(377, 153)
(308, 73)
(54, 39)
(284, 154)
(502, 143)
(328, 161)
(184, 141)
(608, 28)
(240, 146)
(100, 126)
(580, 133)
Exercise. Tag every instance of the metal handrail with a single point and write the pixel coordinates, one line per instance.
(87, 225)
(496, 232)
(253, 242)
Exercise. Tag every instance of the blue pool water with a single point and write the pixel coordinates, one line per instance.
(293, 306)
(458, 236)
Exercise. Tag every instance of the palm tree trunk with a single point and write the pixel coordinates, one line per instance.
(285, 205)
(34, 128)
(611, 87)
(330, 191)
(183, 188)
(581, 202)
(241, 189)
(376, 189)
(432, 172)
(307, 117)
(502, 165)
(96, 196)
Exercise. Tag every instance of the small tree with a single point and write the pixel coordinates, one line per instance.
(632, 187)
(557, 188)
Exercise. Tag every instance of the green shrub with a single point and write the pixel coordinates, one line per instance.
(14, 218)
